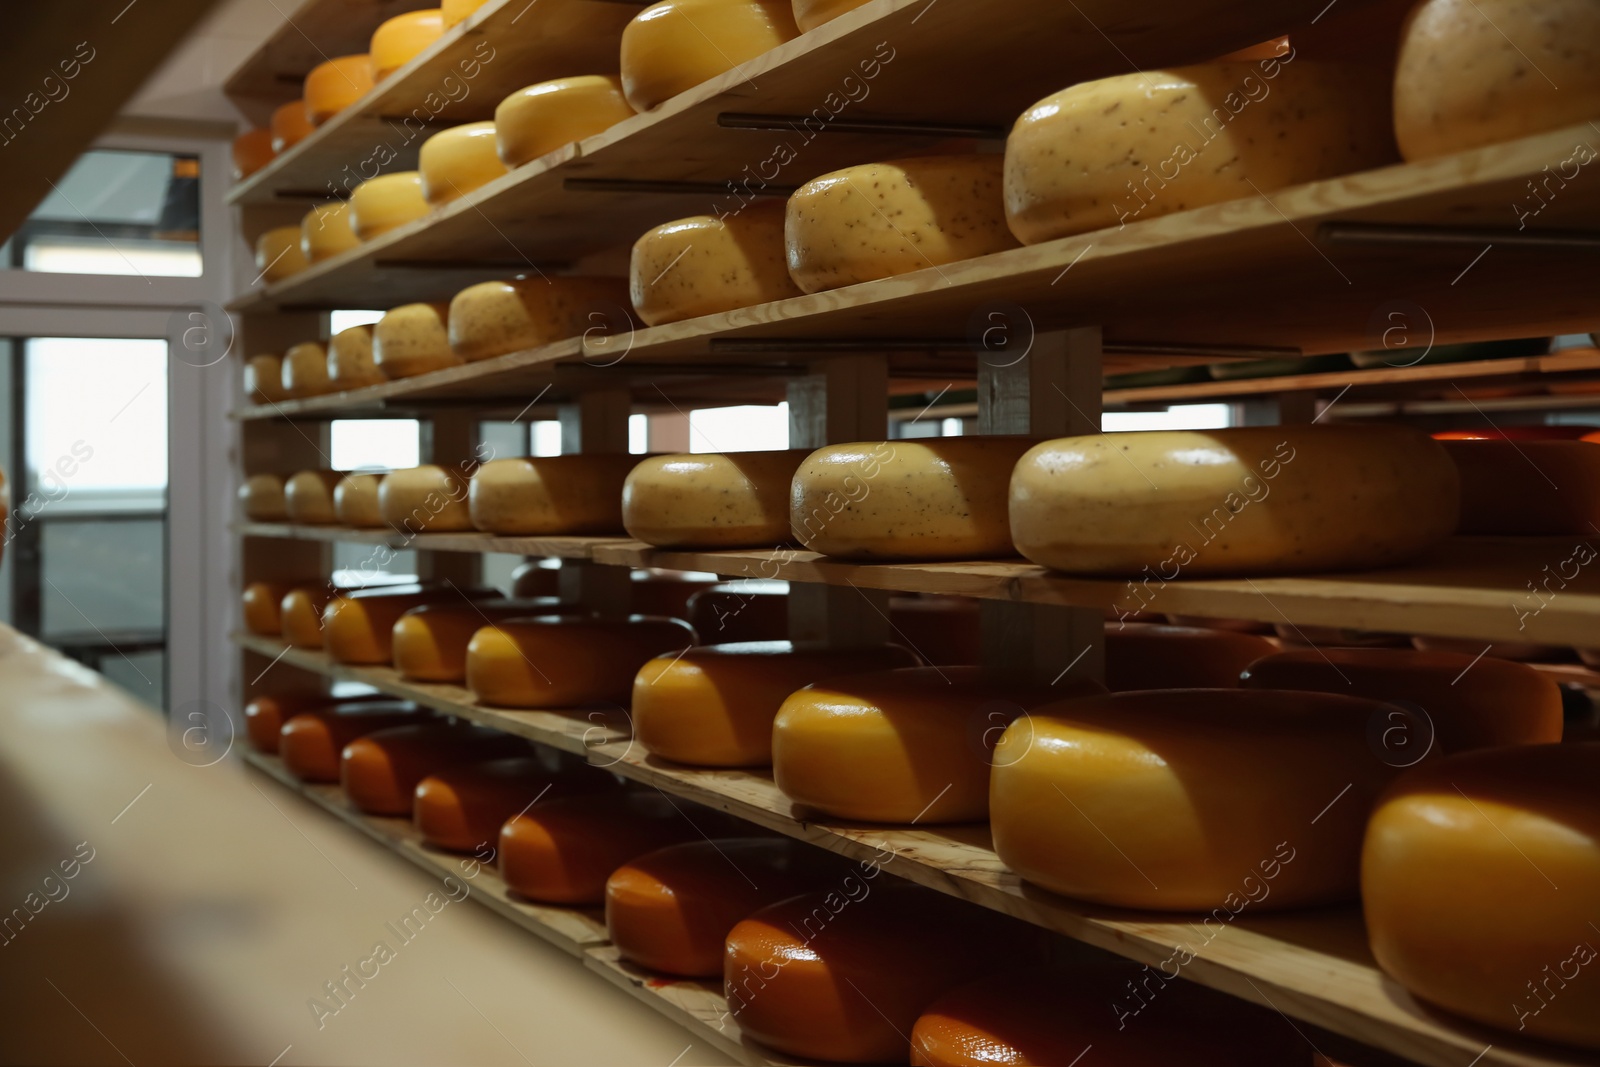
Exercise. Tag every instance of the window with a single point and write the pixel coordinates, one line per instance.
(739, 429)
(1181, 417)
(374, 444)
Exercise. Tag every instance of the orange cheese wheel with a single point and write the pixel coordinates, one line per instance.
(903, 746)
(1243, 626)
(350, 362)
(456, 161)
(387, 202)
(263, 379)
(672, 46)
(564, 662)
(265, 715)
(711, 500)
(1152, 656)
(1479, 880)
(380, 771)
(1528, 487)
(462, 808)
(262, 498)
(403, 38)
(843, 975)
(545, 495)
(1466, 701)
(278, 254)
(809, 14)
(1291, 635)
(300, 613)
(663, 592)
(413, 339)
(943, 630)
(259, 608)
(670, 910)
(455, 11)
(494, 318)
(358, 625)
(713, 706)
(290, 125)
(335, 85)
(708, 265)
(426, 499)
(1215, 799)
(751, 610)
(534, 579)
(325, 232)
(429, 643)
(252, 150)
(305, 371)
(1516, 650)
(562, 851)
(308, 497)
(355, 501)
(535, 121)
(312, 739)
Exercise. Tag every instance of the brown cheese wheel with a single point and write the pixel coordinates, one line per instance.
(462, 808)
(562, 851)
(430, 642)
(358, 626)
(380, 771)
(312, 739)
(754, 609)
(1150, 656)
(259, 604)
(567, 662)
(1528, 487)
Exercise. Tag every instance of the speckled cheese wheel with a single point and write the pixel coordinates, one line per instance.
(429, 643)
(386, 202)
(262, 498)
(350, 363)
(380, 772)
(325, 232)
(278, 254)
(1478, 72)
(562, 851)
(336, 84)
(355, 501)
(456, 161)
(751, 609)
(413, 339)
(427, 499)
(1215, 798)
(301, 614)
(305, 371)
(548, 495)
(942, 630)
(1137, 146)
(567, 662)
(714, 706)
(671, 47)
(535, 121)
(263, 379)
(711, 500)
(809, 14)
(403, 38)
(883, 219)
(455, 11)
(1528, 487)
(1257, 500)
(358, 626)
(1479, 880)
(494, 318)
(252, 150)
(290, 125)
(938, 498)
(259, 608)
(706, 266)
(1151, 656)
(308, 497)
(463, 808)
(311, 740)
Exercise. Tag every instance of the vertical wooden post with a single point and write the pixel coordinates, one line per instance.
(450, 440)
(596, 423)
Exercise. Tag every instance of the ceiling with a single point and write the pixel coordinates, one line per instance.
(189, 84)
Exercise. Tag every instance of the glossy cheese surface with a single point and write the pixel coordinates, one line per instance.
(429, 643)
(671, 47)
(262, 498)
(325, 232)
(263, 379)
(380, 771)
(1528, 487)
(494, 318)
(567, 662)
(752, 609)
(938, 498)
(942, 630)
(413, 339)
(311, 740)
(381, 204)
(809, 14)
(305, 371)
(463, 808)
(456, 161)
(355, 501)
(538, 495)
(562, 851)
(1136, 146)
(1151, 656)
(713, 706)
(252, 150)
(882, 219)
(455, 11)
(403, 38)
(1242, 501)
(259, 608)
(541, 118)
(1208, 794)
(711, 500)
(427, 499)
(300, 614)
(278, 254)
(335, 84)
(290, 125)
(704, 265)
(265, 715)
(350, 362)
(308, 497)
(358, 626)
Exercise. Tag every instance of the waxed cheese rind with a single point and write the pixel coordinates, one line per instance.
(706, 265)
(350, 362)
(672, 46)
(426, 499)
(494, 318)
(711, 500)
(381, 204)
(549, 495)
(456, 161)
(541, 118)
(413, 339)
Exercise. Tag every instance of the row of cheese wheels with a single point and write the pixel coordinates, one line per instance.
(694, 896)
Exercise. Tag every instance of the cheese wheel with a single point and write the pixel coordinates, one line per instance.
(1516, 650)
(1257, 500)
(355, 501)
(543, 495)
(380, 771)
(534, 578)
(1479, 880)
(1137, 146)
(714, 706)
(308, 497)
(1242, 626)
(305, 371)
(809, 14)
(494, 318)
(1478, 72)
(661, 592)
(1214, 798)
(670, 910)
(672, 46)
(535, 121)
(711, 500)
(455, 11)
(1292, 635)
(1528, 487)
(358, 625)
(278, 254)
(429, 643)
(387, 202)
(263, 379)
(399, 40)
(566, 661)
(413, 339)
(325, 232)
(265, 715)
(938, 498)
(1518, 433)
(843, 975)
(1150, 656)
(350, 362)
(456, 161)
(943, 630)
(300, 614)
(562, 851)
(312, 739)
(462, 808)
(427, 499)
(290, 125)
(259, 605)
(335, 85)
(262, 497)
(883, 219)
(754, 609)
(252, 150)
(1468, 701)
(706, 265)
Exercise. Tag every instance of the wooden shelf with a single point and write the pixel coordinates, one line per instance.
(549, 547)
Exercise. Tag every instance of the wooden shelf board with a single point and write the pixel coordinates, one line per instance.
(549, 547)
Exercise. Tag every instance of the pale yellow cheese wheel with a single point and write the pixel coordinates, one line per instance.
(413, 339)
(426, 499)
(263, 379)
(493, 318)
(350, 362)
(1478, 72)
(386, 202)
(550, 494)
(262, 498)
(325, 232)
(403, 38)
(672, 46)
(308, 497)
(336, 84)
(939, 498)
(809, 14)
(882, 219)
(1255, 500)
(278, 254)
(567, 661)
(305, 371)
(456, 161)
(705, 265)
(1136, 146)
(541, 118)
(355, 501)
(455, 11)
(290, 125)
(711, 500)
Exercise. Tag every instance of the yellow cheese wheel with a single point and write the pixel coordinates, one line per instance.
(538, 120)
(455, 11)
(399, 40)
(262, 498)
(305, 371)
(882, 219)
(562, 851)
(672, 46)
(1466, 701)
(942, 630)
(358, 624)
(429, 643)
(325, 232)
(536, 578)
(380, 772)
(711, 500)
(1479, 880)
(494, 318)
(301, 613)
(1151, 656)
(308, 497)
(413, 339)
(939, 498)
(706, 265)
(1267, 499)
(278, 254)
(809, 14)
(1213, 798)
(714, 706)
(426, 499)
(1478, 72)
(387, 202)
(462, 808)
(539, 495)
(1191, 136)
(1528, 487)
(565, 662)
(263, 379)
(456, 161)
(752, 609)
(312, 738)
(335, 85)
(252, 150)
(350, 362)
(259, 608)
(290, 125)
(355, 501)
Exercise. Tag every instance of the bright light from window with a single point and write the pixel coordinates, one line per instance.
(952, 428)
(339, 321)
(97, 414)
(374, 444)
(100, 255)
(638, 434)
(741, 429)
(547, 437)
(1182, 417)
